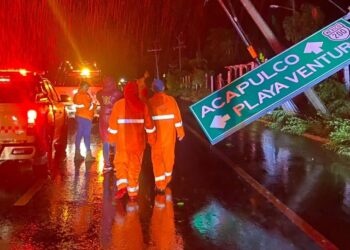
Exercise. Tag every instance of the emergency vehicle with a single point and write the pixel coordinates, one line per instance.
(33, 119)
(68, 79)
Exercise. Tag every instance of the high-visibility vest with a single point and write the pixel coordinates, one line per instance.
(84, 105)
(128, 127)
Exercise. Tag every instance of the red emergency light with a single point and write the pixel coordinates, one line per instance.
(23, 72)
(32, 115)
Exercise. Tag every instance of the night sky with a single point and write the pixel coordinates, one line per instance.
(39, 34)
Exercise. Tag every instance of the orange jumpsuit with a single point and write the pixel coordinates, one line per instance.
(163, 232)
(128, 125)
(167, 118)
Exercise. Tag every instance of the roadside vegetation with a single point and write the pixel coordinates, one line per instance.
(335, 127)
(194, 87)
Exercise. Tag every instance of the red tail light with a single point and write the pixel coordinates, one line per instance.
(31, 115)
(4, 80)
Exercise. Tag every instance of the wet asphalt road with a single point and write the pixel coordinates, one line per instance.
(212, 202)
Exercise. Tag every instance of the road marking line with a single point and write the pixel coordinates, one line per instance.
(311, 232)
(25, 198)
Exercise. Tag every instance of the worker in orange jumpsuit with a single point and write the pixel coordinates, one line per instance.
(163, 232)
(167, 118)
(128, 125)
(85, 109)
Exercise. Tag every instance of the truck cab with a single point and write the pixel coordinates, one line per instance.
(68, 79)
(32, 117)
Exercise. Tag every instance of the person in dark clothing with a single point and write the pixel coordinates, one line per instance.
(107, 96)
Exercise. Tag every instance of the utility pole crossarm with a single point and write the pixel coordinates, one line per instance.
(180, 46)
(156, 51)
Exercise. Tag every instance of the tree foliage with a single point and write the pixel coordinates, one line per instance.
(173, 80)
(220, 48)
(303, 23)
(196, 69)
(287, 122)
(339, 137)
(334, 95)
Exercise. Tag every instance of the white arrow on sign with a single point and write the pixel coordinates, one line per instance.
(220, 121)
(313, 47)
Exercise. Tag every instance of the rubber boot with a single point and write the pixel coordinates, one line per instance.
(89, 157)
(121, 193)
(78, 156)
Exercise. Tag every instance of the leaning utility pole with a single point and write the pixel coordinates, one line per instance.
(238, 28)
(278, 48)
(180, 46)
(156, 51)
(287, 106)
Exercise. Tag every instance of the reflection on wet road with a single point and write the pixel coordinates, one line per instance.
(208, 205)
(310, 180)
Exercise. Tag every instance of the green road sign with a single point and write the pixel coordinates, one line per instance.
(274, 82)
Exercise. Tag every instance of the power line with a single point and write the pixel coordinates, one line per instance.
(336, 5)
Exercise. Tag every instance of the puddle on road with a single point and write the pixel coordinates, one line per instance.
(227, 230)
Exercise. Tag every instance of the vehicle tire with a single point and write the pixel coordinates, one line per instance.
(62, 142)
(43, 160)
